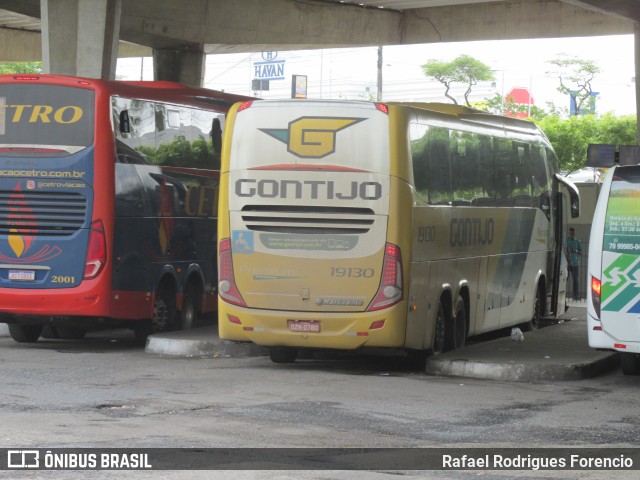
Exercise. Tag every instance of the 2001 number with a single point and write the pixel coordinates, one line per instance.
(352, 272)
(63, 279)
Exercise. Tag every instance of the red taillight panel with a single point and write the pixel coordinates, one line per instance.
(596, 291)
(227, 288)
(97, 251)
(390, 289)
(382, 107)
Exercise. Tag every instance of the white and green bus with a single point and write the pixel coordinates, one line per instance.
(345, 225)
(613, 305)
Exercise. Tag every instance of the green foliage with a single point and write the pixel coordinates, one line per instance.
(464, 69)
(21, 67)
(576, 76)
(570, 138)
(181, 153)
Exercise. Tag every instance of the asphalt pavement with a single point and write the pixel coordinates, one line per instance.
(558, 351)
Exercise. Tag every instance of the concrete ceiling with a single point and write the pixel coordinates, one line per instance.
(162, 24)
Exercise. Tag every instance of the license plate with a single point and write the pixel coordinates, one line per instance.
(22, 275)
(305, 326)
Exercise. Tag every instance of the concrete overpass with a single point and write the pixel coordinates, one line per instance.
(85, 37)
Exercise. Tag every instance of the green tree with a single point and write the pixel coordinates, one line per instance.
(464, 69)
(21, 67)
(576, 77)
(571, 137)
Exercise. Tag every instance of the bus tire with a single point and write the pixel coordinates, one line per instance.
(283, 355)
(538, 312)
(630, 363)
(189, 312)
(142, 329)
(25, 333)
(164, 311)
(416, 360)
(459, 324)
(440, 331)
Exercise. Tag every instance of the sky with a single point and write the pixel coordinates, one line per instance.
(351, 73)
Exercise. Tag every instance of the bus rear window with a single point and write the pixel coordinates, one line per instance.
(622, 224)
(41, 118)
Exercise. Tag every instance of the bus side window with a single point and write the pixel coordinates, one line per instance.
(439, 161)
(418, 138)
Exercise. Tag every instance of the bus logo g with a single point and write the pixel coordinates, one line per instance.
(312, 137)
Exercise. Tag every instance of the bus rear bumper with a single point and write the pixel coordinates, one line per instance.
(600, 338)
(16, 303)
(347, 331)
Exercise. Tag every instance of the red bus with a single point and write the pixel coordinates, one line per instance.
(108, 204)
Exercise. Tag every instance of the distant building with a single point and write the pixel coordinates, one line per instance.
(522, 97)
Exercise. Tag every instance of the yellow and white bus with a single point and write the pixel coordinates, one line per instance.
(352, 224)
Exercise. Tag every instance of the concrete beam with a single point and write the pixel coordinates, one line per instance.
(250, 25)
(508, 21)
(624, 8)
(20, 46)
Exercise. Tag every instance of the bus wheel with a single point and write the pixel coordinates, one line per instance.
(538, 312)
(416, 360)
(283, 355)
(440, 330)
(460, 324)
(25, 333)
(164, 311)
(630, 363)
(189, 312)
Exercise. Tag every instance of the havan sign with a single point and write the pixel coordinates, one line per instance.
(270, 68)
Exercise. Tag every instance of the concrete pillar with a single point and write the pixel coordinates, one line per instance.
(59, 36)
(184, 64)
(80, 37)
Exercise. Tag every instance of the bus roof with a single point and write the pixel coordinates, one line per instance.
(148, 90)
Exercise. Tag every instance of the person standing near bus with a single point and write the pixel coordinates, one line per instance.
(574, 251)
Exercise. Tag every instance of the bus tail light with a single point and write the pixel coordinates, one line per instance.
(382, 107)
(596, 290)
(390, 289)
(227, 287)
(97, 252)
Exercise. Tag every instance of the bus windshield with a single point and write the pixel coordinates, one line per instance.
(45, 120)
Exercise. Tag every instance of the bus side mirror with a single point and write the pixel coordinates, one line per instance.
(574, 195)
(125, 124)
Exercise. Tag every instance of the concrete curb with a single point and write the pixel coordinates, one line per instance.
(556, 352)
(200, 342)
(519, 372)
(4, 330)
